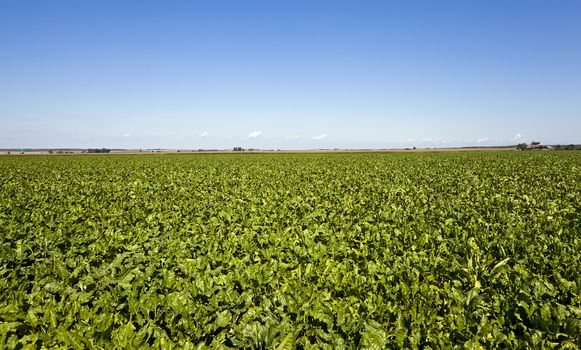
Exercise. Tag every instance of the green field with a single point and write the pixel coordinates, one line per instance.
(337, 250)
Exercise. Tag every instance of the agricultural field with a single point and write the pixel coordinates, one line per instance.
(279, 251)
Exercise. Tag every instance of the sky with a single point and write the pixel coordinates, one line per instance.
(289, 74)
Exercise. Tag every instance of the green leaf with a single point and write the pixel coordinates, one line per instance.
(374, 336)
(286, 343)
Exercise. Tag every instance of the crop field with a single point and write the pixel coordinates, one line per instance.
(280, 251)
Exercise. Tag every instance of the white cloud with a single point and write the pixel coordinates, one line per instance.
(516, 137)
(204, 134)
(127, 135)
(320, 137)
(254, 134)
(481, 140)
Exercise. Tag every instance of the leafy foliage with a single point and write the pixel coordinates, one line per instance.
(400, 250)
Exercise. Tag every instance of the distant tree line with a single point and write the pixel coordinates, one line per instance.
(537, 145)
(98, 150)
(60, 152)
(240, 149)
(567, 147)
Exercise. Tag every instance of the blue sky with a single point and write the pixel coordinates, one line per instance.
(289, 74)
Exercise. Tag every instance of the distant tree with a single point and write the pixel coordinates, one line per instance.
(521, 146)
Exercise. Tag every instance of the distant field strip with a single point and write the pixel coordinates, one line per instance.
(331, 251)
